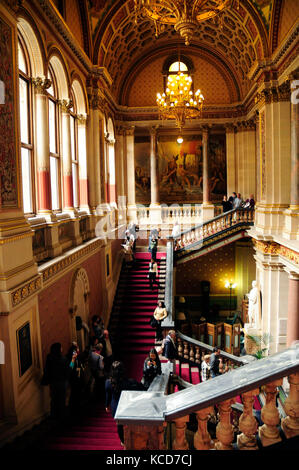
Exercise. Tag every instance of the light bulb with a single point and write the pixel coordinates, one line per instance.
(180, 139)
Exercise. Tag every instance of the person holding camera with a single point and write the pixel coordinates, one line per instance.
(151, 368)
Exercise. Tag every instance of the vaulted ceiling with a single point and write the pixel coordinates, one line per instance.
(222, 57)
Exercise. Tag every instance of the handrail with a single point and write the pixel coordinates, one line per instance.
(218, 217)
(230, 357)
(168, 297)
(139, 408)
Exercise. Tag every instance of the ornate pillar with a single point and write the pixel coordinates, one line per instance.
(290, 424)
(292, 213)
(275, 158)
(245, 159)
(180, 442)
(293, 308)
(155, 209)
(132, 210)
(273, 283)
(224, 430)
(121, 171)
(111, 176)
(207, 207)
(230, 159)
(269, 432)
(247, 423)
(83, 181)
(42, 146)
(202, 439)
(67, 180)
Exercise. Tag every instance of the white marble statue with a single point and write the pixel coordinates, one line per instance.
(254, 316)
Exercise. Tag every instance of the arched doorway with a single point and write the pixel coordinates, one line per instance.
(79, 308)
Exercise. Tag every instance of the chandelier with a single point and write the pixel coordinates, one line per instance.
(179, 102)
(184, 15)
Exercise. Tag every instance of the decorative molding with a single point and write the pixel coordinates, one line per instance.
(4, 241)
(82, 118)
(275, 249)
(25, 291)
(61, 265)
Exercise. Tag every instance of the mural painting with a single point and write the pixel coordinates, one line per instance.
(142, 170)
(180, 169)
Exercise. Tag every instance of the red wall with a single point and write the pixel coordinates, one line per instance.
(54, 304)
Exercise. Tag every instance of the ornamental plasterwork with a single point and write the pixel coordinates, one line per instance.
(22, 293)
(272, 248)
(56, 268)
(41, 84)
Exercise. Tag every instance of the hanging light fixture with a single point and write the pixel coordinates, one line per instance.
(184, 15)
(178, 101)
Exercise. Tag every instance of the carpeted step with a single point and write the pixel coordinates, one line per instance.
(195, 375)
(185, 372)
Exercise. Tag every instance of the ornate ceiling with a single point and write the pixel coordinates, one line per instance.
(127, 50)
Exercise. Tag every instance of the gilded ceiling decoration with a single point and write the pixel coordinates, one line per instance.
(121, 45)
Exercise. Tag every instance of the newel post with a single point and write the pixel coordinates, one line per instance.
(138, 437)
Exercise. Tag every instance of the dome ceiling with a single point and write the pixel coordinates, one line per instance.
(125, 48)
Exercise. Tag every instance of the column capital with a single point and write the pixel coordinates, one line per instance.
(65, 105)
(130, 130)
(246, 125)
(153, 130)
(293, 275)
(82, 118)
(120, 130)
(41, 84)
(230, 128)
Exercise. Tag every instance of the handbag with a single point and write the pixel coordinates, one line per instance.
(153, 322)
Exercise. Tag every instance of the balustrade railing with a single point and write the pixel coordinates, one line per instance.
(189, 239)
(146, 415)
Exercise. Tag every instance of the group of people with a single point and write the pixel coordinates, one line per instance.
(235, 201)
(129, 245)
(73, 376)
(212, 365)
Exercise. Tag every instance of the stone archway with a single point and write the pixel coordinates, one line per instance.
(79, 306)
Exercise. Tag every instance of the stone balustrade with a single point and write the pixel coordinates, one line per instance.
(149, 415)
(190, 239)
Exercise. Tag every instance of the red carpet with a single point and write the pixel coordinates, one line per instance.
(134, 304)
(132, 338)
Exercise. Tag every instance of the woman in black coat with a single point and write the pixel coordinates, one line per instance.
(151, 368)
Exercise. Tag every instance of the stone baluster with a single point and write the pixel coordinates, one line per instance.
(224, 430)
(247, 423)
(202, 439)
(191, 355)
(197, 354)
(180, 347)
(269, 433)
(186, 350)
(180, 442)
(290, 424)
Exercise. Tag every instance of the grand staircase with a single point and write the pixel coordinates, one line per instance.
(134, 304)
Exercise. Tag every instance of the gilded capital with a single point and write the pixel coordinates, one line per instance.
(66, 105)
(41, 84)
(81, 118)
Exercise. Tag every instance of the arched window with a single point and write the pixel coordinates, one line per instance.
(74, 150)
(178, 66)
(54, 142)
(25, 91)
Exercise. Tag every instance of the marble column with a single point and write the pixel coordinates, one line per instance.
(111, 177)
(293, 308)
(207, 207)
(155, 209)
(291, 230)
(230, 159)
(245, 159)
(67, 180)
(42, 146)
(83, 181)
(132, 210)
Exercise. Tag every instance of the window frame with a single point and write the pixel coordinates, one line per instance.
(26, 77)
(57, 154)
(75, 152)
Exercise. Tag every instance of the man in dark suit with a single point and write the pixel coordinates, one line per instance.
(170, 349)
(215, 362)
